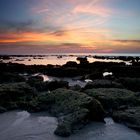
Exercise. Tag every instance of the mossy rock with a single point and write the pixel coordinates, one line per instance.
(34, 79)
(71, 122)
(67, 101)
(130, 117)
(7, 77)
(131, 83)
(13, 95)
(103, 84)
(113, 98)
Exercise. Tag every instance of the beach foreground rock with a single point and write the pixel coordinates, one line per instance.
(72, 108)
(130, 117)
(16, 95)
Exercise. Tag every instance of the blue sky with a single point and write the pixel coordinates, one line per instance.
(69, 26)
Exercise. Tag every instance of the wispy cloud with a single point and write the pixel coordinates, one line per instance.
(94, 7)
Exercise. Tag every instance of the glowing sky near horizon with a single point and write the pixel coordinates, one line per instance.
(71, 26)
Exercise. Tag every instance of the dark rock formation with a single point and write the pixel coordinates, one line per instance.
(130, 117)
(112, 98)
(7, 77)
(103, 84)
(73, 121)
(16, 95)
(82, 60)
(72, 108)
(131, 83)
(2, 109)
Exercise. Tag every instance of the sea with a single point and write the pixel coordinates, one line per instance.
(62, 58)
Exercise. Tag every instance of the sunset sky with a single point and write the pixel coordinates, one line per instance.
(69, 26)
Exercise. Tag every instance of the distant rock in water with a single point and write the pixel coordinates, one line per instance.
(82, 60)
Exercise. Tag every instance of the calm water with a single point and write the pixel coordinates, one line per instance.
(21, 125)
(55, 59)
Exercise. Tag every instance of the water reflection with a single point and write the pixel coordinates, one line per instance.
(53, 59)
(41, 127)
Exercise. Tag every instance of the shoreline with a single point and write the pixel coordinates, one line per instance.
(74, 106)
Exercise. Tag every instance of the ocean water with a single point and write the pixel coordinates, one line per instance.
(60, 59)
(21, 125)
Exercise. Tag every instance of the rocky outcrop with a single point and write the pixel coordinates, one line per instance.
(72, 108)
(71, 122)
(103, 84)
(131, 83)
(7, 77)
(16, 95)
(2, 109)
(130, 117)
(112, 98)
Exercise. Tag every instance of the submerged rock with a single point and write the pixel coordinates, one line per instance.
(130, 117)
(112, 98)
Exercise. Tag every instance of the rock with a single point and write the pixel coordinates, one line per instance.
(95, 75)
(130, 117)
(70, 64)
(56, 84)
(75, 88)
(37, 82)
(126, 71)
(2, 109)
(97, 112)
(112, 98)
(131, 83)
(35, 79)
(73, 109)
(7, 77)
(63, 130)
(16, 95)
(103, 84)
(65, 71)
(83, 60)
(42, 102)
(73, 121)
(68, 101)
